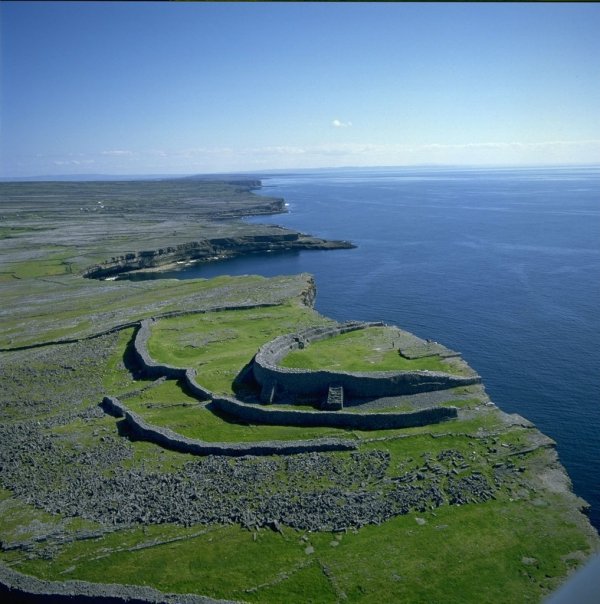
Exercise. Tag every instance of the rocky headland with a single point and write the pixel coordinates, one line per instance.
(210, 250)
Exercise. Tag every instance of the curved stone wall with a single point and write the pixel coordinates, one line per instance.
(151, 367)
(336, 419)
(282, 383)
(269, 354)
(176, 442)
(191, 385)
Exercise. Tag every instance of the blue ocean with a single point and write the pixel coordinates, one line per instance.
(502, 265)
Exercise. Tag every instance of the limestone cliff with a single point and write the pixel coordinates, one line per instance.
(208, 250)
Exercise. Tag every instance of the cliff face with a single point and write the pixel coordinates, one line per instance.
(207, 250)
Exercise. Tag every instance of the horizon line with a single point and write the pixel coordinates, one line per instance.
(90, 177)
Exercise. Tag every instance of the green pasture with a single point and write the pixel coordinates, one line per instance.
(168, 406)
(453, 555)
(370, 349)
(219, 344)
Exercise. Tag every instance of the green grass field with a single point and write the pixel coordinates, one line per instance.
(168, 406)
(453, 554)
(218, 345)
(516, 547)
(370, 349)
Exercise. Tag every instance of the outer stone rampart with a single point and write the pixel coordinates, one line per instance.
(314, 383)
(288, 384)
(176, 442)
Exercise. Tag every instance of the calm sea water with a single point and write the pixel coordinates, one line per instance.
(502, 265)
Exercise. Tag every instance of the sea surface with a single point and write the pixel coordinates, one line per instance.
(502, 265)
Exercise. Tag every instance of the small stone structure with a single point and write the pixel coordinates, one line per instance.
(335, 399)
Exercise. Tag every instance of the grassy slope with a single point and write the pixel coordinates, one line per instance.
(451, 558)
(81, 307)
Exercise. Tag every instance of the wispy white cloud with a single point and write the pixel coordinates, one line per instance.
(339, 124)
(73, 162)
(279, 150)
(390, 154)
(512, 145)
(333, 154)
(207, 159)
(117, 152)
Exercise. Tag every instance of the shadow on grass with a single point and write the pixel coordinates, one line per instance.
(229, 419)
(130, 360)
(244, 386)
(124, 430)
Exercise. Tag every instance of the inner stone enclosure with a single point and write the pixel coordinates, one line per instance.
(330, 388)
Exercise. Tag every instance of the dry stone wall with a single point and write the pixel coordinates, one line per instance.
(338, 419)
(176, 442)
(354, 384)
(18, 588)
(283, 383)
(192, 386)
(151, 367)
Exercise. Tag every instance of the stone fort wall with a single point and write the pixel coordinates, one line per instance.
(267, 415)
(283, 383)
(336, 419)
(168, 439)
(151, 367)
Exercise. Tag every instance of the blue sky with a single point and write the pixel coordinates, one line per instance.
(142, 88)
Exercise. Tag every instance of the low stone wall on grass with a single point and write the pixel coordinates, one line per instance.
(192, 387)
(152, 368)
(332, 419)
(168, 439)
(18, 588)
